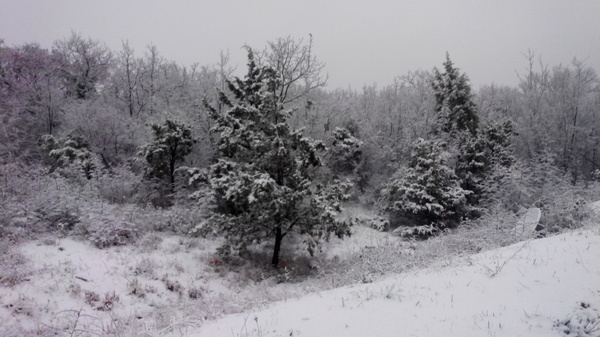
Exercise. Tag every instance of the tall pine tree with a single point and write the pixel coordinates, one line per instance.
(455, 109)
(262, 181)
(479, 154)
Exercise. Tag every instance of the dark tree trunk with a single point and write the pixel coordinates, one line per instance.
(172, 162)
(171, 176)
(278, 239)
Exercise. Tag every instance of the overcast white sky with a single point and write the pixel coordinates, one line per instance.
(361, 42)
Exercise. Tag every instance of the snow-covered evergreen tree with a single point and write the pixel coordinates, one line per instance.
(455, 109)
(72, 152)
(480, 154)
(346, 151)
(262, 180)
(172, 142)
(429, 192)
(484, 158)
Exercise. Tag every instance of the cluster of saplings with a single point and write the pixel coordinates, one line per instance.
(248, 150)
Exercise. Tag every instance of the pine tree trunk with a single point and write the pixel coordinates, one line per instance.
(278, 239)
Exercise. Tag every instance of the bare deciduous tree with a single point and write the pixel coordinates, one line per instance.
(85, 66)
(298, 67)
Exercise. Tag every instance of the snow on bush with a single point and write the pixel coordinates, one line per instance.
(583, 322)
(429, 193)
(105, 231)
(14, 268)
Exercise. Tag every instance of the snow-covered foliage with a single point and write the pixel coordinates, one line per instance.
(346, 151)
(481, 155)
(583, 322)
(262, 181)
(172, 141)
(84, 251)
(71, 154)
(429, 192)
(454, 105)
(162, 284)
(484, 159)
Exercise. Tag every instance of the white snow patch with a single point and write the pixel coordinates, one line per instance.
(521, 290)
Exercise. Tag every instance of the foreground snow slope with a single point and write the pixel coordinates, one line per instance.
(521, 290)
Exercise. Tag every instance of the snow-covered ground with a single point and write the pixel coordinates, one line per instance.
(176, 286)
(529, 289)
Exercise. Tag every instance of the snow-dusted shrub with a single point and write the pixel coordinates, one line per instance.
(495, 228)
(91, 297)
(181, 219)
(146, 266)
(563, 202)
(419, 232)
(583, 322)
(107, 231)
(565, 209)
(108, 302)
(429, 192)
(346, 151)
(172, 285)
(57, 204)
(71, 156)
(32, 201)
(382, 259)
(19, 182)
(60, 219)
(120, 186)
(13, 265)
(150, 241)
(379, 223)
(195, 293)
(596, 175)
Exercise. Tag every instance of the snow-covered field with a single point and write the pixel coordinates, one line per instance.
(529, 289)
(175, 286)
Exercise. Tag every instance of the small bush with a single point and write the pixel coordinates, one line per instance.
(104, 231)
(583, 322)
(91, 297)
(13, 265)
(121, 186)
(178, 219)
(565, 210)
(135, 288)
(23, 305)
(146, 266)
(379, 223)
(195, 293)
(56, 205)
(108, 302)
(172, 285)
(149, 242)
(417, 232)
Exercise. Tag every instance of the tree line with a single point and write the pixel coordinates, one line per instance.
(278, 153)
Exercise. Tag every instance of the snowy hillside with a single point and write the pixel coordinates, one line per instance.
(535, 288)
(176, 286)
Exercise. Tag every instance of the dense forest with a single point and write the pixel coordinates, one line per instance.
(109, 144)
